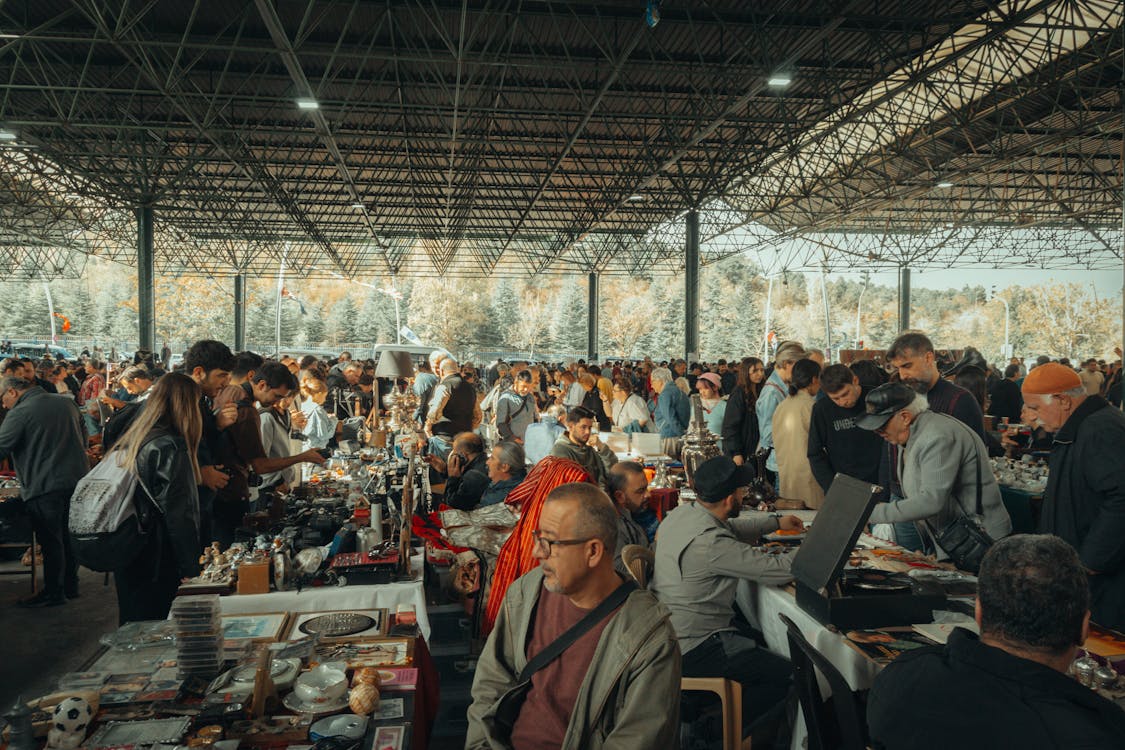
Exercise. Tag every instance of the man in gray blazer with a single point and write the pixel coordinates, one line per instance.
(944, 464)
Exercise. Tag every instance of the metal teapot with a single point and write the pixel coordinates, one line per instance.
(700, 444)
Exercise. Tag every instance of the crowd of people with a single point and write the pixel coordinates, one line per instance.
(205, 437)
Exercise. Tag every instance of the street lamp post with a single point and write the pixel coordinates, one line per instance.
(391, 291)
(859, 309)
(1007, 310)
(50, 309)
(827, 317)
(766, 334)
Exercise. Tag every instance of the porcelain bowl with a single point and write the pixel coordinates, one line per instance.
(321, 685)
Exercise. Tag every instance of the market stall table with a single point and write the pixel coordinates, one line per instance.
(762, 604)
(122, 661)
(330, 598)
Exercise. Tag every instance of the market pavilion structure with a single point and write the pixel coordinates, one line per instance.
(495, 138)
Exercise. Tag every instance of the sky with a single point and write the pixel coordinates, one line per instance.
(1106, 283)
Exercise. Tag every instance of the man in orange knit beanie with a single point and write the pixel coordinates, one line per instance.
(1085, 498)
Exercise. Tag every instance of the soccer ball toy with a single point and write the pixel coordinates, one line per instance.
(69, 722)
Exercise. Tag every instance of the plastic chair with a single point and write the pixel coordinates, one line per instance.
(730, 697)
(639, 562)
(844, 727)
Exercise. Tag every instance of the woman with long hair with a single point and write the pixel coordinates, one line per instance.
(160, 448)
(740, 422)
(791, 422)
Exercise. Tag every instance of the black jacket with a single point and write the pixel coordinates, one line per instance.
(164, 468)
(1007, 401)
(593, 401)
(729, 381)
(457, 416)
(43, 435)
(464, 492)
(837, 445)
(740, 425)
(970, 696)
(1085, 501)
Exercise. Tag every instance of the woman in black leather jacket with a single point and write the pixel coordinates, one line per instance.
(160, 445)
(740, 422)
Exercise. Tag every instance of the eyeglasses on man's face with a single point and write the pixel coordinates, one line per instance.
(547, 546)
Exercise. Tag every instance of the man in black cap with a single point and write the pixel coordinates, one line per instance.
(944, 467)
(702, 551)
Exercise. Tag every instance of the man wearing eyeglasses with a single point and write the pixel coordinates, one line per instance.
(703, 549)
(617, 684)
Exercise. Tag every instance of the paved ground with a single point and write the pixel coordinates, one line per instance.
(39, 645)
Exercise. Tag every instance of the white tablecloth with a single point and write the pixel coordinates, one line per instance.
(326, 598)
(761, 605)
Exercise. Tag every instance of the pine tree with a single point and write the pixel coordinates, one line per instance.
(503, 312)
(568, 323)
(342, 320)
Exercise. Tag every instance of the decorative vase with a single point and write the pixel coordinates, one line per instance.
(700, 444)
(366, 676)
(761, 491)
(363, 699)
(20, 733)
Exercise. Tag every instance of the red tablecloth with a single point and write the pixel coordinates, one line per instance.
(427, 696)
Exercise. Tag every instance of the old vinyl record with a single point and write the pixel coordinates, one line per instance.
(337, 624)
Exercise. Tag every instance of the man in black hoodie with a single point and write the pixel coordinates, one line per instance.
(836, 444)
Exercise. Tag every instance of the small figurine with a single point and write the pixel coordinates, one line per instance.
(69, 722)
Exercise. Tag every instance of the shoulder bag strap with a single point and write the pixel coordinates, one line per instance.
(517, 412)
(579, 629)
(980, 487)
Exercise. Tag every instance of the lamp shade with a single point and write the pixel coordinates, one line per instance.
(394, 364)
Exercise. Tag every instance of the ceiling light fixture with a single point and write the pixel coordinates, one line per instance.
(779, 80)
(357, 205)
(308, 104)
(7, 135)
(945, 184)
(635, 197)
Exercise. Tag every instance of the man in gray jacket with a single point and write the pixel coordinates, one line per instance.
(44, 437)
(618, 685)
(702, 550)
(516, 409)
(943, 465)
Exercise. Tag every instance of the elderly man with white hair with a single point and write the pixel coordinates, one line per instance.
(453, 409)
(672, 411)
(945, 469)
(1085, 498)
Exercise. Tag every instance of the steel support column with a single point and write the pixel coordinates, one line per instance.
(592, 317)
(146, 289)
(903, 298)
(240, 312)
(691, 286)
